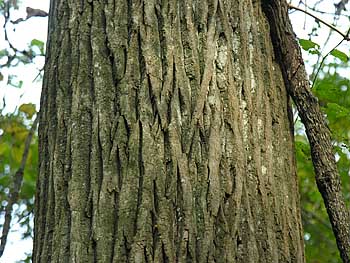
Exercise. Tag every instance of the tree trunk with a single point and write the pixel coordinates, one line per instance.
(165, 136)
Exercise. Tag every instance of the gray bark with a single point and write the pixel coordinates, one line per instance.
(165, 136)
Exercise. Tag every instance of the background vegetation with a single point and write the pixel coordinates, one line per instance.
(329, 67)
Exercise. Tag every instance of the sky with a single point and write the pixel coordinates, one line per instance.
(30, 91)
(24, 32)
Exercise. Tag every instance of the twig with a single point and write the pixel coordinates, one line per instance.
(31, 12)
(324, 58)
(313, 8)
(39, 74)
(340, 6)
(345, 36)
(315, 69)
(17, 182)
(321, 64)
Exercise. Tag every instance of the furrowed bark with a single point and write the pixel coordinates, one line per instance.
(288, 54)
(164, 136)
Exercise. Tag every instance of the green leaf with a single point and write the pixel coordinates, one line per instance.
(5, 180)
(335, 111)
(39, 44)
(28, 109)
(333, 88)
(308, 44)
(4, 148)
(314, 52)
(28, 189)
(339, 54)
(3, 53)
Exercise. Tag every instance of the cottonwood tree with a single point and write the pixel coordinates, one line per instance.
(166, 134)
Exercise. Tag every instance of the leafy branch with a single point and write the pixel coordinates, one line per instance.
(17, 182)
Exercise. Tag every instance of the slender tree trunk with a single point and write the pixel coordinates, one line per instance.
(165, 136)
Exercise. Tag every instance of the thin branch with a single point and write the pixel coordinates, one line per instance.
(324, 58)
(321, 64)
(313, 8)
(328, 181)
(345, 36)
(39, 74)
(17, 182)
(31, 12)
(316, 67)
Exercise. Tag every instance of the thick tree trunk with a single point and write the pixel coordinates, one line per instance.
(165, 136)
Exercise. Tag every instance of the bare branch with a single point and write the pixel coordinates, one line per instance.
(322, 62)
(345, 36)
(35, 12)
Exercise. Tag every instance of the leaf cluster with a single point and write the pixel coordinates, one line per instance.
(14, 129)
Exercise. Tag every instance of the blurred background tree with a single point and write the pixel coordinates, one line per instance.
(326, 53)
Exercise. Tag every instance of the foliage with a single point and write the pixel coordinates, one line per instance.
(14, 128)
